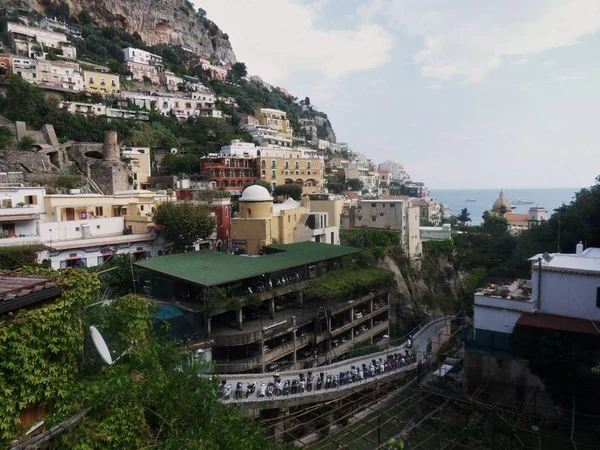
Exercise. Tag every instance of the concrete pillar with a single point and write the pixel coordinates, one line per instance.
(208, 326)
(352, 314)
(272, 308)
(240, 319)
(371, 303)
(295, 347)
(280, 425)
(300, 298)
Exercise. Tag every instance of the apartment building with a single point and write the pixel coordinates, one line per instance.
(35, 42)
(5, 62)
(60, 74)
(301, 166)
(218, 72)
(398, 213)
(138, 160)
(135, 55)
(101, 83)
(79, 230)
(275, 120)
(143, 72)
(169, 80)
(195, 104)
(85, 109)
(266, 136)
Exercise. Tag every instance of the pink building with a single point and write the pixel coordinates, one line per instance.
(218, 72)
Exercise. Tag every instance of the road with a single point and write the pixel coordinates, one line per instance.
(420, 340)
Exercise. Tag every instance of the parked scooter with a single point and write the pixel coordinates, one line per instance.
(250, 388)
(239, 390)
(270, 389)
(227, 392)
(263, 389)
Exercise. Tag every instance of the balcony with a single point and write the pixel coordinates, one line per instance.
(19, 240)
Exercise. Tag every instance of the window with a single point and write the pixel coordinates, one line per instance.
(392, 205)
(91, 80)
(373, 205)
(308, 165)
(263, 164)
(249, 212)
(373, 218)
(141, 207)
(287, 164)
(273, 164)
(273, 174)
(289, 219)
(113, 83)
(383, 205)
(297, 164)
(31, 199)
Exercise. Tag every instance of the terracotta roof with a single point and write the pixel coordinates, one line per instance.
(17, 291)
(516, 217)
(351, 195)
(562, 323)
(421, 202)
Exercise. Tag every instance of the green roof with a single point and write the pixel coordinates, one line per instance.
(212, 268)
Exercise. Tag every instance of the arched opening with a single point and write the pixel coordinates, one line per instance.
(54, 158)
(94, 154)
(289, 181)
(300, 181)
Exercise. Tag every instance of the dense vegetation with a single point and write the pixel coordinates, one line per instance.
(376, 242)
(348, 283)
(183, 224)
(15, 257)
(147, 399)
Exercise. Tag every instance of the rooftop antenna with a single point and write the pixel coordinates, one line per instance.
(558, 245)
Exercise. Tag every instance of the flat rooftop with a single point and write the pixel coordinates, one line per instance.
(586, 262)
(212, 268)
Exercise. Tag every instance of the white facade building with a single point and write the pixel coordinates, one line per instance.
(396, 170)
(266, 136)
(239, 149)
(131, 54)
(25, 41)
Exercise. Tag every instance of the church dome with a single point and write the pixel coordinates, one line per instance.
(256, 193)
(500, 202)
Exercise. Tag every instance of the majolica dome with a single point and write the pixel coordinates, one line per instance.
(500, 202)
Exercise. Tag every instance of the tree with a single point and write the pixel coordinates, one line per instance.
(6, 138)
(201, 13)
(354, 184)
(292, 190)
(494, 223)
(464, 216)
(335, 187)
(119, 278)
(184, 225)
(239, 70)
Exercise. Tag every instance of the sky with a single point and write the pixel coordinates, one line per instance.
(464, 93)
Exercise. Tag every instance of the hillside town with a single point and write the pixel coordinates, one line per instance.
(251, 268)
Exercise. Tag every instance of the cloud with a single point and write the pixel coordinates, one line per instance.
(574, 77)
(434, 86)
(276, 38)
(549, 63)
(519, 61)
(467, 40)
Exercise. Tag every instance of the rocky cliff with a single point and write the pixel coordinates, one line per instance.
(156, 21)
(430, 287)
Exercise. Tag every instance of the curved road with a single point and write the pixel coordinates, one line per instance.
(420, 340)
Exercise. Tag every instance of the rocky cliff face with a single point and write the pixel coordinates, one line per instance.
(156, 21)
(430, 287)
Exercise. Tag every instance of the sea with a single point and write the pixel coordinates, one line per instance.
(550, 198)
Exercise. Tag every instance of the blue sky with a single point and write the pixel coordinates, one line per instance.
(466, 94)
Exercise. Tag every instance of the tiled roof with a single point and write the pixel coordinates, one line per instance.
(516, 217)
(561, 323)
(20, 290)
(212, 268)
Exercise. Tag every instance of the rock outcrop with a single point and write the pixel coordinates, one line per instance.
(172, 22)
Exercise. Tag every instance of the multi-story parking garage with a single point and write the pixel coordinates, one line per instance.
(289, 307)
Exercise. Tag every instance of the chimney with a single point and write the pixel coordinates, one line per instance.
(579, 248)
(111, 149)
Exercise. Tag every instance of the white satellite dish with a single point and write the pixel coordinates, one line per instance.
(101, 345)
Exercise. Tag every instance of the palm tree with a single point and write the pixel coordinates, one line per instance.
(464, 216)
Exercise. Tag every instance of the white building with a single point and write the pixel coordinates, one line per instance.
(73, 238)
(143, 72)
(265, 136)
(62, 74)
(396, 170)
(86, 109)
(169, 80)
(442, 233)
(136, 55)
(239, 149)
(26, 40)
(196, 104)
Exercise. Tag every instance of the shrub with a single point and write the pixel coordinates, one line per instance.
(26, 142)
(67, 182)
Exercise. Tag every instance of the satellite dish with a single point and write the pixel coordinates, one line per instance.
(101, 345)
(547, 257)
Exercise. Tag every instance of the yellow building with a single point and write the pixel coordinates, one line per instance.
(281, 166)
(136, 207)
(275, 120)
(139, 164)
(101, 83)
(261, 222)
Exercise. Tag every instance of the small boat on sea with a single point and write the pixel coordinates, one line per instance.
(523, 202)
(470, 200)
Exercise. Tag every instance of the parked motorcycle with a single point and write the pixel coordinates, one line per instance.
(239, 390)
(263, 389)
(227, 392)
(250, 388)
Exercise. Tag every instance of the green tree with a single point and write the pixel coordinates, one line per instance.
(184, 225)
(117, 274)
(292, 190)
(464, 216)
(494, 223)
(26, 142)
(354, 184)
(239, 70)
(335, 187)
(6, 138)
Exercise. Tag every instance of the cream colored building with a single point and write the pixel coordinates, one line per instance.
(275, 120)
(261, 222)
(139, 163)
(304, 167)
